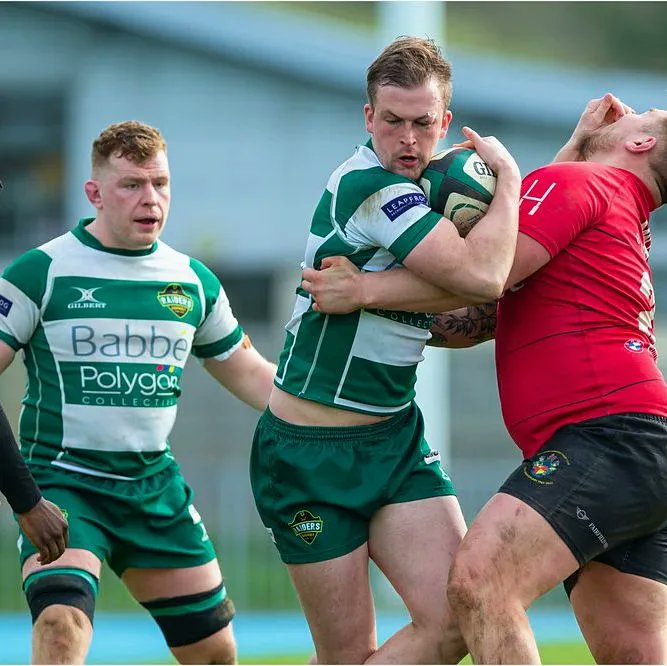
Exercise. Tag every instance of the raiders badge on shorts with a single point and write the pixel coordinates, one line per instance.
(306, 525)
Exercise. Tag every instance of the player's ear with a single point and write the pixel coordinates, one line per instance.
(369, 113)
(640, 144)
(92, 190)
(446, 119)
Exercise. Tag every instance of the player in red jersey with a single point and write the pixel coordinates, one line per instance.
(581, 395)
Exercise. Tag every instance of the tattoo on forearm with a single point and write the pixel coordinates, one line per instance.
(466, 326)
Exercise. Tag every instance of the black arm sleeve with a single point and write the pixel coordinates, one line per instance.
(16, 482)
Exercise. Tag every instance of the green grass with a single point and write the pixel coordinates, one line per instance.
(551, 653)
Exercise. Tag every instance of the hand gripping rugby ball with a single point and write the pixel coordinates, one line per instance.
(460, 186)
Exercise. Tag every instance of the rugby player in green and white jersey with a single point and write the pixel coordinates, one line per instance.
(340, 468)
(106, 316)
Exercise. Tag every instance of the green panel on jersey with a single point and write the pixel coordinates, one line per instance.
(397, 381)
(10, 340)
(334, 343)
(317, 358)
(209, 282)
(297, 355)
(80, 297)
(219, 347)
(121, 384)
(42, 405)
(413, 235)
(334, 246)
(28, 273)
(285, 354)
(321, 225)
(356, 186)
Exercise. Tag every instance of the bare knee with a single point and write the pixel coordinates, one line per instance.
(466, 587)
(61, 627)
(435, 625)
(225, 653)
(448, 640)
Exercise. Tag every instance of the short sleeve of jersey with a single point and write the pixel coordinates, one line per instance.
(558, 202)
(22, 288)
(377, 208)
(219, 334)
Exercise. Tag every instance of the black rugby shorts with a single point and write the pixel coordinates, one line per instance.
(602, 485)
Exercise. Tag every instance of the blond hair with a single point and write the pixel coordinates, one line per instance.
(410, 62)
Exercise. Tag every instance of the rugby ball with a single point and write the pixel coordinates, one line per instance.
(460, 186)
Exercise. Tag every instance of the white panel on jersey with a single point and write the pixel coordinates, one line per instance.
(220, 323)
(369, 224)
(380, 261)
(385, 341)
(376, 409)
(118, 428)
(23, 315)
(72, 257)
(119, 340)
(300, 307)
(314, 242)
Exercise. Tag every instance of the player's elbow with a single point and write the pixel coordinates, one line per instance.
(485, 288)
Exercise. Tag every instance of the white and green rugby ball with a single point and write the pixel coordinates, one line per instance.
(459, 185)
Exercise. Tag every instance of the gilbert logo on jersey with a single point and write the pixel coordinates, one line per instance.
(86, 300)
(174, 298)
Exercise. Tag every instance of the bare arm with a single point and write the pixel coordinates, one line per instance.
(474, 324)
(338, 287)
(41, 521)
(475, 267)
(246, 374)
(464, 327)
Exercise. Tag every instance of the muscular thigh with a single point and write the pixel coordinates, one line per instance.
(414, 544)
(622, 615)
(511, 551)
(336, 598)
(191, 607)
(599, 484)
(149, 584)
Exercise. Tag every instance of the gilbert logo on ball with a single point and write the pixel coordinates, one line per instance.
(460, 186)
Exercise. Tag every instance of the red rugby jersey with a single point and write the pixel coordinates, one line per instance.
(575, 340)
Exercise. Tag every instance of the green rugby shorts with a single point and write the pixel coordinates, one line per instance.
(145, 523)
(317, 488)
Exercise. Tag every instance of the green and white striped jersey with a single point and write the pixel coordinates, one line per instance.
(105, 336)
(365, 361)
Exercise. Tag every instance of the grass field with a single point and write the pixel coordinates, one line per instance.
(551, 653)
